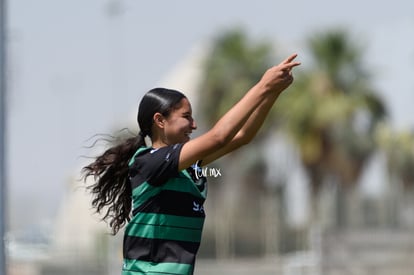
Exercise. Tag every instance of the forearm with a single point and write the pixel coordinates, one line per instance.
(256, 119)
(217, 140)
(246, 116)
(237, 117)
(246, 113)
(248, 130)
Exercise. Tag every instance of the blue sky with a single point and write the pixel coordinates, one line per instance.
(77, 69)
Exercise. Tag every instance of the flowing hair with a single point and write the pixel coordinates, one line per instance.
(112, 190)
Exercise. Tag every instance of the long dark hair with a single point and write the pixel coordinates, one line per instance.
(111, 189)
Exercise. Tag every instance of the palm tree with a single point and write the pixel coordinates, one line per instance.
(332, 112)
(398, 148)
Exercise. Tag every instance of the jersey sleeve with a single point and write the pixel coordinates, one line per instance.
(157, 165)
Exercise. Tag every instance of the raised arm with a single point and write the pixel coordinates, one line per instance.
(252, 125)
(261, 96)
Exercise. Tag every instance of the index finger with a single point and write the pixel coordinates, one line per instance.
(289, 59)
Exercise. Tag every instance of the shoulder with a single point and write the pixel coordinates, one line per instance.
(155, 165)
(166, 153)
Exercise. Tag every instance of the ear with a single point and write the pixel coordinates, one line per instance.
(159, 120)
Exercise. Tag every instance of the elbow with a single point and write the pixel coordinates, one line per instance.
(241, 139)
(220, 138)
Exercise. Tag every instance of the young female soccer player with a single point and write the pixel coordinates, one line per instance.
(156, 189)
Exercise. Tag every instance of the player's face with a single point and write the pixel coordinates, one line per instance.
(180, 123)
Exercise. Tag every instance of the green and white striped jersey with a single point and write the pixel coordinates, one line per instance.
(164, 233)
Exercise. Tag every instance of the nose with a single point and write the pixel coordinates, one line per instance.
(193, 124)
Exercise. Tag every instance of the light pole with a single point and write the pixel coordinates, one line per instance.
(2, 135)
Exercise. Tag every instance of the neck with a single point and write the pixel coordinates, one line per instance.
(159, 140)
(158, 143)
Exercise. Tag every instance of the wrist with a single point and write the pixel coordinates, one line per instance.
(268, 90)
(264, 88)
